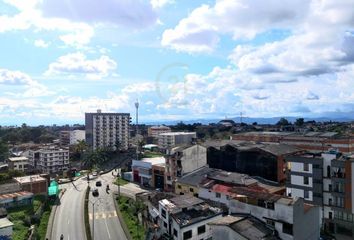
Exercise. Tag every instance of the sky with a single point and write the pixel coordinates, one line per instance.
(181, 60)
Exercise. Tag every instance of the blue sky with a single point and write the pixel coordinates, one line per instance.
(182, 59)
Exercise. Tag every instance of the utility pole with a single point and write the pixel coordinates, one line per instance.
(137, 128)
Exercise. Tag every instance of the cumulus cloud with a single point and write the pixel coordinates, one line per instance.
(77, 63)
(243, 19)
(30, 87)
(41, 43)
(137, 14)
(160, 3)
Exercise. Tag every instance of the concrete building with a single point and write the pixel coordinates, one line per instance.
(107, 130)
(71, 137)
(172, 139)
(339, 207)
(241, 228)
(13, 199)
(155, 131)
(18, 163)
(50, 159)
(64, 138)
(187, 217)
(291, 218)
(262, 160)
(143, 170)
(305, 177)
(6, 228)
(34, 184)
(183, 160)
(310, 141)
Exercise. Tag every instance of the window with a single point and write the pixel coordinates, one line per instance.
(163, 213)
(306, 167)
(330, 215)
(179, 186)
(217, 195)
(306, 194)
(201, 229)
(191, 189)
(270, 223)
(306, 180)
(175, 232)
(288, 228)
(187, 235)
(165, 224)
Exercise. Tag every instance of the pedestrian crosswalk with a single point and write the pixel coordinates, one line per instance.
(103, 215)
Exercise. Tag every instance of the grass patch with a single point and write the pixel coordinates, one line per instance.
(21, 218)
(121, 181)
(129, 211)
(152, 154)
(86, 215)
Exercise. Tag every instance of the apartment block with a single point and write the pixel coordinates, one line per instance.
(107, 130)
(172, 139)
(71, 137)
(148, 171)
(18, 163)
(50, 159)
(155, 131)
(183, 160)
(187, 217)
(305, 177)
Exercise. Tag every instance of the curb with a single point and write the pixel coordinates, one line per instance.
(121, 220)
(49, 232)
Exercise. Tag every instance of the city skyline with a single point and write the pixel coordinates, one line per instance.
(182, 60)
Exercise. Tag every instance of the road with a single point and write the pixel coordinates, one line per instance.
(69, 216)
(106, 222)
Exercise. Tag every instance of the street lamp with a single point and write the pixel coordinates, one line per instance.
(93, 203)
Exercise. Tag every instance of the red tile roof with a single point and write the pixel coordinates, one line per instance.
(15, 194)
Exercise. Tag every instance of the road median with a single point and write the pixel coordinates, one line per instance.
(86, 215)
(121, 219)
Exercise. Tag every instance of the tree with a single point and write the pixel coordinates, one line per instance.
(299, 122)
(4, 151)
(282, 122)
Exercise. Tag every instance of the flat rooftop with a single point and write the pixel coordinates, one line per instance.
(154, 160)
(198, 213)
(4, 222)
(184, 201)
(15, 195)
(177, 133)
(18, 159)
(247, 226)
(29, 179)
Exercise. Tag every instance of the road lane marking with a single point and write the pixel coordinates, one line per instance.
(109, 235)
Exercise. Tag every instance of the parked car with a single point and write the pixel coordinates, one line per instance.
(98, 184)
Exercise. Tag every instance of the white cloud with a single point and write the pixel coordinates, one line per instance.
(160, 3)
(77, 63)
(14, 78)
(243, 19)
(30, 88)
(41, 43)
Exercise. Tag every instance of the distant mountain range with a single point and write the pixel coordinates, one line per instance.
(250, 120)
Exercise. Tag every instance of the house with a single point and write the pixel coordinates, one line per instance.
(182, 160)
(20, 198)
(35, 184)
(18, 163)
(143, 170)
(172, 139)
(290, 217)
(244, 227)
(187, 217)
(6, 229)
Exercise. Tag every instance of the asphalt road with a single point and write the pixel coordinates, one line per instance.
(69, 216)
(106, 222)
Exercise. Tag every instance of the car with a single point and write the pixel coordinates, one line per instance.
(158, 190)
(98, 184)
(95, 192)
(94, 174)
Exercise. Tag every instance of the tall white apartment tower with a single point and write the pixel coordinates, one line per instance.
(107, 130)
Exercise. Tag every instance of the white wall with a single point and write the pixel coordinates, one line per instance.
(204, 193)
(194, 228)
(299, 180)
(299, 167)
